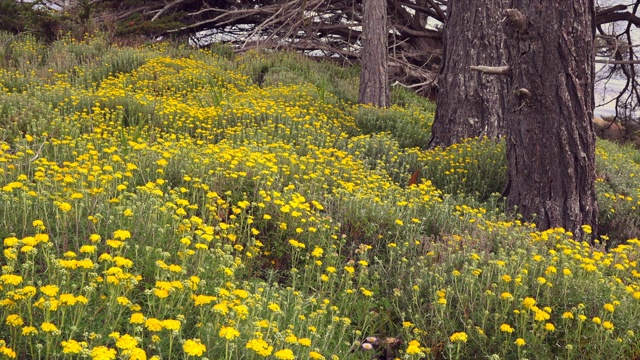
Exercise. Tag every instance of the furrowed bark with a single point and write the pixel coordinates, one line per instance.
(550, 136)
(374, 79)
(470, 102)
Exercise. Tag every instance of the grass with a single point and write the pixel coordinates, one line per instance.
(163, 202)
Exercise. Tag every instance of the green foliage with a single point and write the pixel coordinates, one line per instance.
(410, 126)
(8, 18)
(406, 98)
(219, 50)
(23, 52)
(274, 68)
(474, 167)
(68, 53)
(21, 16)
(21, 114)
(181, 203)
(618, 170)
(137, 24)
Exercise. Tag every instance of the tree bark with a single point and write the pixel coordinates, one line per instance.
(549, 112)
(470, 104)
(374, 79)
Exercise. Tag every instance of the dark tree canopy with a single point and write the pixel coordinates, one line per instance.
(20, 17)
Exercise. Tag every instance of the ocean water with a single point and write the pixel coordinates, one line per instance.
(605, 91)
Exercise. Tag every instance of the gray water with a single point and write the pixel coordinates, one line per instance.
(605, 91)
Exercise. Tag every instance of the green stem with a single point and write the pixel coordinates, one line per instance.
(170, 344)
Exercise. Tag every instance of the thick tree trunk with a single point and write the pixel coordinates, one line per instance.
(549, 112)
(374, 79)
(470, 104)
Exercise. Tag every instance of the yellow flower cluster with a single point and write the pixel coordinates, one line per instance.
(156, 202)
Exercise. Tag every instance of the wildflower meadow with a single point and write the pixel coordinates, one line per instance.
(163, 202)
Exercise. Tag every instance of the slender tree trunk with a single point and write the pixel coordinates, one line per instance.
(469, 103)
(549, 112)
(374, 80)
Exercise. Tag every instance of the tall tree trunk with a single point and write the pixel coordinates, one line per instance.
(470, 104)
(549, 112)
(374, 79)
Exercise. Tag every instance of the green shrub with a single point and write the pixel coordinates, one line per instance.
(618, 191)
(21, 115)
(273, 68)
(475, 167)
(410, 126)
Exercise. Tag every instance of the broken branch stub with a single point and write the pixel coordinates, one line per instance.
(492, 70)
(523, 94)
(515, 22)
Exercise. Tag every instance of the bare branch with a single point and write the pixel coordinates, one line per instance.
(436, 7)
(170, 5)
(611, 14)
(425, 33)
(611, 9)
(617, 62)
(229, 16)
